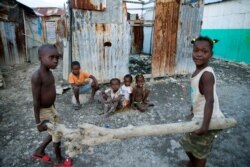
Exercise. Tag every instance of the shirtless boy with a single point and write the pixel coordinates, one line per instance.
(44, 95)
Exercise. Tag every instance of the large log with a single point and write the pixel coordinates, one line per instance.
(90, 135)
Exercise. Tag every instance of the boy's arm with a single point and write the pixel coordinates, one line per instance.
(94, 79)
(207, 89)
(36, 92)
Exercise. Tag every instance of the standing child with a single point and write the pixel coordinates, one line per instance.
(44, 95)
(127, 89)
(80, 83)
(140, 95)
(112, 98)
(205, 104)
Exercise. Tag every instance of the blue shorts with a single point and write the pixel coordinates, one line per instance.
(85, 88)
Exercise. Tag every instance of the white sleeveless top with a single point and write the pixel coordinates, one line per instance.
(198, 100)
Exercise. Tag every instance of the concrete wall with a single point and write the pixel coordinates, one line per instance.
(229, 22)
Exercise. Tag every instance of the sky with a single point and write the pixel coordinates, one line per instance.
(43, 3)
(50, 3)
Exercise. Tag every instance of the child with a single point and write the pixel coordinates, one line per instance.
(126, 89)
(80, 83)
(112, 98)
(140, 95)
(204, 103)
(44, 95)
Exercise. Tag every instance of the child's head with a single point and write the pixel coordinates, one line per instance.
(48, 56)
(128, 79)
(115, 84)
(202, 50)
(139, 79)
(75, 67)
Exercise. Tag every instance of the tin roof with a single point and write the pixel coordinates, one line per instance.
(49, 11)
(212, 1)
(98, 5)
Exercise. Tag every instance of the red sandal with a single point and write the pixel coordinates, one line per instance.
(44, 158)
(66, 163)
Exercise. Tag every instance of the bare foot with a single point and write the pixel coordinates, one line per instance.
(39, 152)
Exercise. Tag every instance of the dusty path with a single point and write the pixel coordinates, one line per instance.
(19, 136)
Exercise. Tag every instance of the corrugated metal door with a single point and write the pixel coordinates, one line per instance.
(190, 20)
(165, 37)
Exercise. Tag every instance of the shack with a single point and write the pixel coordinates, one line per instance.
(169, 26)
(18, 35)
(103, 36)
(53, 25)
(100, 38)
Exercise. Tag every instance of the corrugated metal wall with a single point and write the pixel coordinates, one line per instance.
(33, 38)
(165, 37)
(94, 32)
(148, 33)
(190, 20)
(12, 41)
(12, 50)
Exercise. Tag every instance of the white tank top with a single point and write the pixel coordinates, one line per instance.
(198, 100)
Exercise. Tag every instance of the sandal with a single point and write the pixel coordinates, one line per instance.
(66, 163)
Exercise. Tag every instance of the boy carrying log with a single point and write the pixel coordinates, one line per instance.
(44, 96)
(205, 104)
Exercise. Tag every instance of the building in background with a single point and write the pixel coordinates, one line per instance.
(19, 37)
(54, 27)
(229, 22)
(101, 38)
(168, 28)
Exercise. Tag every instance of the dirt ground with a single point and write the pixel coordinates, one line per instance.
(231, 148)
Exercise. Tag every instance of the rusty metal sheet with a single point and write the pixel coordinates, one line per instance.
(165, 37)
(13, 43)
(98, 5)
(112, 14)
(190, 21)
(102, 49)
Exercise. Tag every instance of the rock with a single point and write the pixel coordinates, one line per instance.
(174, 144)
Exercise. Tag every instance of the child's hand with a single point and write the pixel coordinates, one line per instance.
(200, 131)
(42, 126)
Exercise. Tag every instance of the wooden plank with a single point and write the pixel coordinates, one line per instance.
(165, 34)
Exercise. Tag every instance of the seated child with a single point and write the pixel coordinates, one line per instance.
(127, 89)
(80, 83)
(140, 95)
(112, 98)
